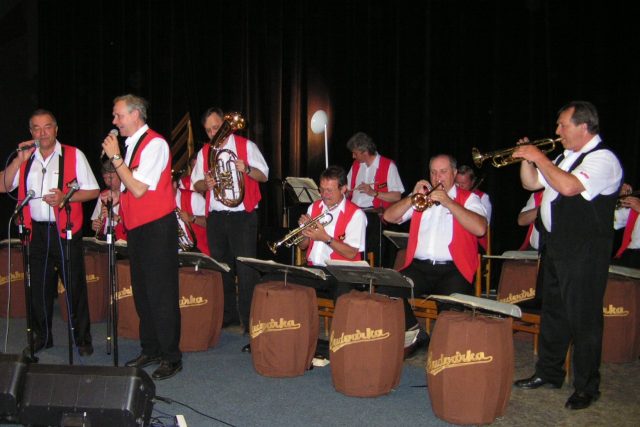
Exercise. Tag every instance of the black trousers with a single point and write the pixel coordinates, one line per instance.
(428, 279)
(153, 256)
(47, 264)
(574, 286)
(230, 235)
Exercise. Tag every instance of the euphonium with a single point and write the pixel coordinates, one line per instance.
(500, 158)
(421, 202)
(187, 242)
(295, 236)
(222, 171)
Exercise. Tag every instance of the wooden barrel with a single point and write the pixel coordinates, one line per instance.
(96, 265)
(15, 274)
(201, 308)
(470, 367)
(621, 308)
(366, 344)
(284, 329)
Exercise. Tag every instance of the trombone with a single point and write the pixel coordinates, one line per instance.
(504, 157)
(295, 236)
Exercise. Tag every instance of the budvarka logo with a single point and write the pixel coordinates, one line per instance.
(272, 326)
(92, 278)
(612, 311)
(124, 293)
(434, 367)
(192, 301)
(525, 294)
(18, 275)
(358, 336)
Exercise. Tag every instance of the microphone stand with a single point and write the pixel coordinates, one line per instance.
(25, 239)
(112, 316)
(67, 283)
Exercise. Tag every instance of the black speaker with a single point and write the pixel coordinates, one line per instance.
(86, 396)
(12, 372)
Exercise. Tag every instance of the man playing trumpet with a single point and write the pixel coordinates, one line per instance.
(580, 191)
(442, 253)
(111, 194)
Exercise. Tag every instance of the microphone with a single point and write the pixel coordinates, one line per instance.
(73, 188)
(36, 144)
(30, 195)
(113, 132)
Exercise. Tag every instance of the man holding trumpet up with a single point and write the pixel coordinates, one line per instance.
(446, 221)
(580, 191)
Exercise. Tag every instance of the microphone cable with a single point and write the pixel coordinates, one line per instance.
(170, 401)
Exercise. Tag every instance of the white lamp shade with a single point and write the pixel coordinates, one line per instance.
(318, 121)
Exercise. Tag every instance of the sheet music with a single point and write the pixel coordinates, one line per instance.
(271, 265)
(362, 272)
(400, 240)
(305, 189)
(634, 273)
(200, 260)
(481, 303)
(515, 255)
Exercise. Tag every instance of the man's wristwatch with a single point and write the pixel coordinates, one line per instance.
(328, 242)
(247, 170)
(116, 157)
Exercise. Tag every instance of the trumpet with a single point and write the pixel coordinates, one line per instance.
(504, 157)
(421, 202)
(295, 236)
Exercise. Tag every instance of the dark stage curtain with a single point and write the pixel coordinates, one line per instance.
(420, 77)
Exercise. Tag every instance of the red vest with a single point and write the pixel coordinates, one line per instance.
(251, 187)
(484, 240)
(154, 204)
(68, 175)
(628, 230)
(198, 230)
(463, 246)
(340, 229)
(537, 198)
(380, 180)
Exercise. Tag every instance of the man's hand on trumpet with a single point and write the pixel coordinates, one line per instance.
(526, 151)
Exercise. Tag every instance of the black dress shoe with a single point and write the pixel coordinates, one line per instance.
(167, 370)
(142, 361)
(535, 381)
(247, 348)
(85, 349)
(581, 400)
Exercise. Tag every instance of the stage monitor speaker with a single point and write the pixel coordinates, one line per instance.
(12, 373)
(88, 396)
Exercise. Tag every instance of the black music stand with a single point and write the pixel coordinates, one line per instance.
(305, 190)
(199, 260)
(399, 240)
(480, 305)
(269, 266)
(353, 272)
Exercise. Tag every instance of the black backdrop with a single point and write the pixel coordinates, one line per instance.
(420, 77)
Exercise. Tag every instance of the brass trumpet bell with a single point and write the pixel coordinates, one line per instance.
(504, 157)
(421, 202)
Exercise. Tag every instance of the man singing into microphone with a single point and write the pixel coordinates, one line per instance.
(47, 171)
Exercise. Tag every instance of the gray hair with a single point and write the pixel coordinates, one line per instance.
(362, 142)
(135, 102)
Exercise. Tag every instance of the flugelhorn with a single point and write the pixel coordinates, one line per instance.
(295, 236)
(222, 171)
(504, 157)
(421, 202)
(187, 242)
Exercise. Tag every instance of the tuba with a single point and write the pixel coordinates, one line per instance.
(500, 158)
(187, 242)
(222, 170)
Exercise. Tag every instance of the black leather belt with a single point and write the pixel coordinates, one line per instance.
(434, 262)
(44, 223)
